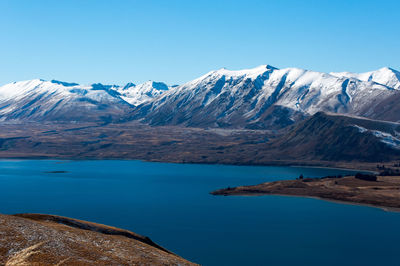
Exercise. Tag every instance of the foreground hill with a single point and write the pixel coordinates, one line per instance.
(35, 239)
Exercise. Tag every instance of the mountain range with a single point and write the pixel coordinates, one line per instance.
(40, 100)
(308, 112)
(263, 97)
(266, 97)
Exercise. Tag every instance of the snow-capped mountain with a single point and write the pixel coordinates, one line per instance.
(138, 94)
(386, 76)
(263, 97)
(41, 100)
(267, 97)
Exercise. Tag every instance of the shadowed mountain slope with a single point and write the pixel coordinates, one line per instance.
(331, 137)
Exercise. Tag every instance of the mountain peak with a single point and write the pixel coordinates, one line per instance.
(129, 85)
(138, 94)
(159, 86)
(66, 84)
(100, 86)
(386, 76)
(384, 71)
(388, 69)
(251, 72)
(152, 85)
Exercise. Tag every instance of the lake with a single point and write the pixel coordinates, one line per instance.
(171, 204)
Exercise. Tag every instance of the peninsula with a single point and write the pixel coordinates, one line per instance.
(377, 191)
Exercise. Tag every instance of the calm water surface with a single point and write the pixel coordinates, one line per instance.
(170, 203)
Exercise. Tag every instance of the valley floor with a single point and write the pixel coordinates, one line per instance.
(136, 141)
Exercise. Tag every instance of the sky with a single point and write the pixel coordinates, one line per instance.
(115, 42)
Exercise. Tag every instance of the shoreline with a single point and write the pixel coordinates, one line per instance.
(384, 193)
(383, 208)
(362, 167)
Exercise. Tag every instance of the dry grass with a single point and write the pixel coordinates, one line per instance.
(384, 193)
(21, 258)
(53, 240)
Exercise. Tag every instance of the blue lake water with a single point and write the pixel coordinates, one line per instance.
(171, 204)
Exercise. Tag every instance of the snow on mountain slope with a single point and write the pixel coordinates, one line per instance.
(263, 97)
(54, 100)
(384, 137)
(333, 137)
(138, 94)
(386, 76)
(62, 101)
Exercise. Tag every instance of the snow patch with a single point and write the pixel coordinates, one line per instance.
(360, 129)
(387, 139)
(138, 94)
(383, 137)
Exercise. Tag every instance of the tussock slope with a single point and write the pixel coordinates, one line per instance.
(35, 239)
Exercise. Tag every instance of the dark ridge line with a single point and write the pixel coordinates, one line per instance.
(103, 229)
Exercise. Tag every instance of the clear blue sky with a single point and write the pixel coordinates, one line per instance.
(117, 41)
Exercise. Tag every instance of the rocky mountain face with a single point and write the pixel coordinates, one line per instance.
(287, 103)
(39, 100)
(261, 98)
(267, 97)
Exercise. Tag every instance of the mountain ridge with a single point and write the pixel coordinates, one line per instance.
(264, 97)
(242, 98)
(41, 100)
(333, 137)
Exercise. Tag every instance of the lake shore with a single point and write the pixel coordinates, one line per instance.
(169, 144)
(361, 166)
(383, 193)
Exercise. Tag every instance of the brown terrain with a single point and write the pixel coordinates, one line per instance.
(36, 239)
(383, 193)
(131, 140)
(134, 140)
